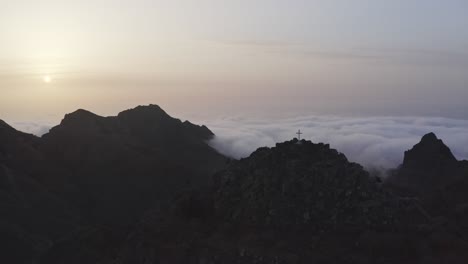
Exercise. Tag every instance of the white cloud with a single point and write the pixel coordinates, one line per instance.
(371, 141)
(35, 128)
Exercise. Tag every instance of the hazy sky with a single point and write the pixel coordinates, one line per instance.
(398, 57)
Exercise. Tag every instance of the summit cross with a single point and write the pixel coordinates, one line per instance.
(299, 133)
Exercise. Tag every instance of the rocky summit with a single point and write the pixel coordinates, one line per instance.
(427, 167)
(301, 183)
(432, 174)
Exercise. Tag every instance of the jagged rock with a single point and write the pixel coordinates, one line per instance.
(300, 184)
(123, 164)
(427, 167)
(429, 154)
(431, 173)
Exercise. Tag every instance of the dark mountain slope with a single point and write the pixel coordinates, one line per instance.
(298, 202)
(428, 166)
(101, 190)
(31, 215)
(17, 147)
(431, 173)
(91, 177)
(123, 164)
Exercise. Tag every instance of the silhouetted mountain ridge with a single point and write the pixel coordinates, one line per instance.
(98, 171)
(428, 166)
(143, 187)
(429, 153)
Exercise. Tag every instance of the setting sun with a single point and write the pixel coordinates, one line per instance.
(47, 79)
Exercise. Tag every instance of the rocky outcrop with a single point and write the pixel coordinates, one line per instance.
(123, 164)
(429, 165)
(428, 168)
(301, 183)
(432, 174)
(430, 153)
(91, 177)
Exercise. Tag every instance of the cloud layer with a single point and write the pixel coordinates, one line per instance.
(371, 141)
(35, 128)
(378, 142)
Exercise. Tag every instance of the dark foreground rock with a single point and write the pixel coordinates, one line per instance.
(298, 202)
(143, 187)
(77, 191)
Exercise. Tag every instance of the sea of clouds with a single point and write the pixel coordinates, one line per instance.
(35, 128)
(375, 142)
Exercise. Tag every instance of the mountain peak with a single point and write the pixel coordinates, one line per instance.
(144, 111)
(79, 115)
(318, 181)
(4, 125)
(429, 137)
(429, 152)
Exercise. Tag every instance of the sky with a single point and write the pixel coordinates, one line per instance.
(212, 57)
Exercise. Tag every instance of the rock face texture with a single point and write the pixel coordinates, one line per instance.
(301, 183)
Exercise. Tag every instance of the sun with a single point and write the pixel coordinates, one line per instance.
(47, 79)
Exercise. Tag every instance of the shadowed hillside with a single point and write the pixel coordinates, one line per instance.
(143, 187)
(92, 174)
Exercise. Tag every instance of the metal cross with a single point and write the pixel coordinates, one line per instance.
(299, 133)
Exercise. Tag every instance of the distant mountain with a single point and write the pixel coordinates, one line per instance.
(432, 173)
(122, 164)
(96, 173)
(429, 165)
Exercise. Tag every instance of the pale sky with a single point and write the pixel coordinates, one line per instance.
(398, 57)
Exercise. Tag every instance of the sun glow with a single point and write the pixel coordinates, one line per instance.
(47, 79)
